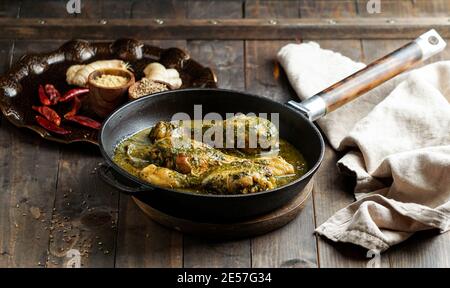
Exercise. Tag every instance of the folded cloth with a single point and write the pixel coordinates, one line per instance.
(397, 138)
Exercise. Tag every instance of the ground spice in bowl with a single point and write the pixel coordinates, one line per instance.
(107, 90)
(146, 86)
(107, 80)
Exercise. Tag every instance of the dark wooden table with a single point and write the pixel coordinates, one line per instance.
(51, 200)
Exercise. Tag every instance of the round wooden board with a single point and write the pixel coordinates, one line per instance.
(257, 226)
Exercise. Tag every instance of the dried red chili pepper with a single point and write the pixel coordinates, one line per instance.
(50, 126)
(43, 97)
(85, 121)
(73, 93)
(48, 113)
(52, 93)
(76, 105)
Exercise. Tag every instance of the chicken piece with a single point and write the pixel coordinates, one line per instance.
(239, 178)
(197, 165)
(251, 135)
(161, 130)
(164, 177)
(277, 165)
(248, 134)
(192, 157)
(164, 129)
(234, 178)
(187, 156)
(181, 162)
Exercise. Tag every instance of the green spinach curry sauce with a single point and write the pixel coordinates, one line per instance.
(131, 153)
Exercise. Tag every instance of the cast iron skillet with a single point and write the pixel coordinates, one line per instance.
(295, 124)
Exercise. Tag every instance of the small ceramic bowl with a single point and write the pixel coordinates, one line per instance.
(103, 100)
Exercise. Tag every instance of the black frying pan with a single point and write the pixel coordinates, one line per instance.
(295, 126)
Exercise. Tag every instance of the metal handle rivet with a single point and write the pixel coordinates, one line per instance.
(433, 40)
(159, 21)
(273, 22)
(103, 21)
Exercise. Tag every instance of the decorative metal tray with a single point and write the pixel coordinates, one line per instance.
(19, 86)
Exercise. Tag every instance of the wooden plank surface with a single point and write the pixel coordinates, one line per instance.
(332, 191)
(29, 178)
(29, 183)
(226, 29)
(293, 245)
(84, 211)
(9, 225)
(43, 182)
(9, 9)
(226, 58)
(141, 242)
(425, 249)
(429, 248)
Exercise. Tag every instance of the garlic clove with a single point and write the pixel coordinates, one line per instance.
(154, 68)
(156, 71)
(172, 73)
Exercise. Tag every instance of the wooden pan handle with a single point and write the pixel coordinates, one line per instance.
(371, 76)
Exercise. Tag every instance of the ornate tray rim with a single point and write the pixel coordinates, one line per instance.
(70, 51)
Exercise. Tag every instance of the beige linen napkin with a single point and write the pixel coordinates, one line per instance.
(397, 139)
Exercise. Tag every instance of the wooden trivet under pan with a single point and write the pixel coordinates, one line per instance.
(250, 227)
